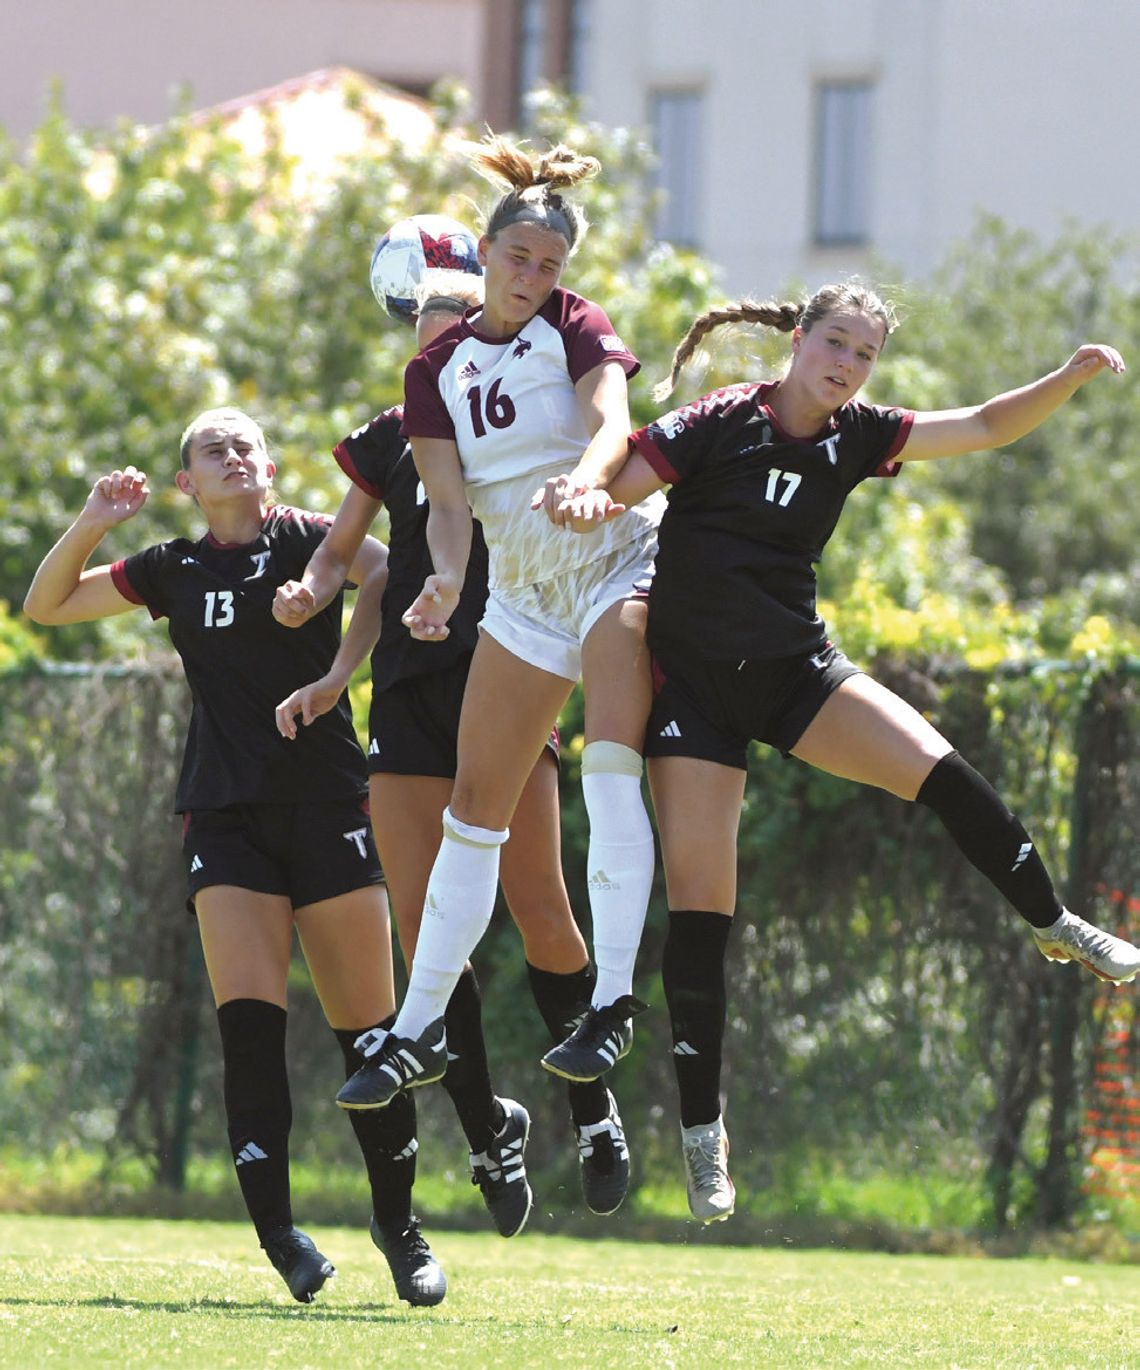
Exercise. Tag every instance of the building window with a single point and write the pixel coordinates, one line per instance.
(578, 47)
(676, 120)
(843, 162)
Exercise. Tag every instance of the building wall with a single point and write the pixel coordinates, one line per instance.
(129, 58)
(1025, 108)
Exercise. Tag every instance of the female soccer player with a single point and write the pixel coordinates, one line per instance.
(417, 690)
(759, 475)
(530, 383)
(276, 835)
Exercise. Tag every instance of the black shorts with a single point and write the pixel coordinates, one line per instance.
(413, 726)
(307, 852)
(711, 710)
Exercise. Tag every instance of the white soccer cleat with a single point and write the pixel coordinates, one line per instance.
(712, 1195)
(1072, 939)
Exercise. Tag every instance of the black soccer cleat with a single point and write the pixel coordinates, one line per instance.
(418, 1276)
(599, 1041)
(298, 1262)
(603, 1161)
(500, 1172)
(394, 1064)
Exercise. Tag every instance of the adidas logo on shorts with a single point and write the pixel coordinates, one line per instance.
(670, 730)
(195, 863)
(250, 1152)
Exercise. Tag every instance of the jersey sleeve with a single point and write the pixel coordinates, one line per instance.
(425, 414)
(679, 443)
(140, 578)
(368, 454)
(590, 338)
(884, 433)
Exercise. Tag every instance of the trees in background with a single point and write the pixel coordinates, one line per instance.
(884, 1006)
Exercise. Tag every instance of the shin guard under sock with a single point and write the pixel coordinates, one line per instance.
(991, 838)
(460, 900)
(692, 973)
(620, 863)
(387, 1140)
(259, 1112)
(562, 1000)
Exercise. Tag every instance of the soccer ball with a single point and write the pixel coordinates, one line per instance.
(414, 246)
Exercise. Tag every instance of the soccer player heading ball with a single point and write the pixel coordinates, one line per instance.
(758, 476)
(531, 385)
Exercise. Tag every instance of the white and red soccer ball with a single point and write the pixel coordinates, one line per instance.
(409, 250)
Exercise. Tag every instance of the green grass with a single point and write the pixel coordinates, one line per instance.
(83, 1291)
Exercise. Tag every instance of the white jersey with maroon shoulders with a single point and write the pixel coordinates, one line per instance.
(510, 407)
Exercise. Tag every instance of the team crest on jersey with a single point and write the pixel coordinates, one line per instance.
(610, 342)
(260, 562)
(521, 348)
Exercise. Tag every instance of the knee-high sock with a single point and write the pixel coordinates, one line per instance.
(692, 973)
(460, 900)
(468, 1078)
(259, 1112)
(991, 838)
(620, 860)
(562, 1000)
(387, 1140)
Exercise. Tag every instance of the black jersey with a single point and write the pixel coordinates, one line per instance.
(750, 511)
(379, 461)
(240, 664)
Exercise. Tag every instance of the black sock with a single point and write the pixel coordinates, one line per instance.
(387, 1140)
(468, 1078)
(692, 972)
(562, 999)
(259, 1112)
(991, 838)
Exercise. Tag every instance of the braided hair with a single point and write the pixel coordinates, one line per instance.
(784, 317)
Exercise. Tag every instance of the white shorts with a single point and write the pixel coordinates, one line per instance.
(546, 624)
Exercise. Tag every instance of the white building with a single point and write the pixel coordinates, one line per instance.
(797, 137)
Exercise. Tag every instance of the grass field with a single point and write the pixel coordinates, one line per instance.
(81, 1291)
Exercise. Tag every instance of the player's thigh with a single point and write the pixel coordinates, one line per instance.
(407, 820)
(347, 943)
(247, 940)
(697, 804)
(865, 732)
(530, 871)
(616, 675)
(509, 708)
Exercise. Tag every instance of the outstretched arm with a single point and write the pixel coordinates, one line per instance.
(1006, 417)
(63, 590)
(448, 537)
(297, 601)
(369, 572)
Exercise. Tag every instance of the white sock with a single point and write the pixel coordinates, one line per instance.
(621, 858)
(460, 900)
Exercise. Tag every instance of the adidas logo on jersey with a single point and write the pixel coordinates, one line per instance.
(250, 1152)
(374, 747)
(601, 881)
(1022, 855)
(467, 372)
(670, 730)
(195, 863)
